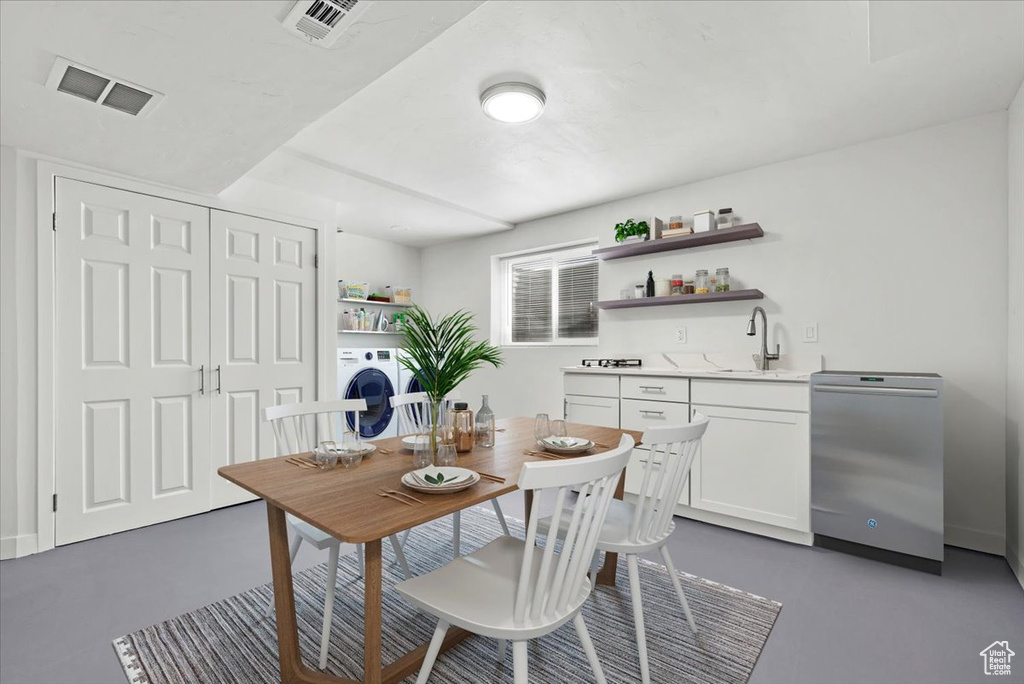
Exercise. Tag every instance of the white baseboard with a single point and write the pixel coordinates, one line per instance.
(1015, 557)
(975, 540)
(16, 547)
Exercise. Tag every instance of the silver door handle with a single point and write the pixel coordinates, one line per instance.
(888, 391)
(657, 413)
(218, 379)
(202, 380)
(652, 387)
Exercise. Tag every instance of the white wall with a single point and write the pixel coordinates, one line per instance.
(896, 248)
(18, 461)
(1015, 342)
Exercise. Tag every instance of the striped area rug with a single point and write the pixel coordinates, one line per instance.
(230, 642)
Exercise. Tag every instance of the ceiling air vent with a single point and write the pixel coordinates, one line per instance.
(321, 22)
(95, 86)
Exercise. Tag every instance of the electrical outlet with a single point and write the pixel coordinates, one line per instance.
(680, 335)
(810, 332)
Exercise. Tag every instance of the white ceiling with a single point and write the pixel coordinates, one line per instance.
(386, 129)
(237, 85)
(645, 95)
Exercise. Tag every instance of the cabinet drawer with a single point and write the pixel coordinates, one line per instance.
(653, 387)
(601, 411)
(778, 396)
(591, 385)
(640, 414)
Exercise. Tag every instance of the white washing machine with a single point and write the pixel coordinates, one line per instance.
(407, 382)
(370, 374)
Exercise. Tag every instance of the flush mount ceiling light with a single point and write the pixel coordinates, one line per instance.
(513, 103)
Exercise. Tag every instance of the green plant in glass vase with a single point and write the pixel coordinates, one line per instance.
(629, 228)
(441, 354)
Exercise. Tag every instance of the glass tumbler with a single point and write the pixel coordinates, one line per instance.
(326, 455)
(422, 453)
(351, 449)
(446, 455)
(541, 427)
(558, 428)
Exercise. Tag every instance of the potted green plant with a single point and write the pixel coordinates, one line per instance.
(442, 354)
(629, 228)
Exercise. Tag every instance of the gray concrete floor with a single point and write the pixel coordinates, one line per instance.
(843, 619)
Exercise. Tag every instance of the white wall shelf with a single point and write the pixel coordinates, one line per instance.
(367, 302)
(368, 332)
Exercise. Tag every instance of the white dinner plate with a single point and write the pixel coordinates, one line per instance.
(461, 478)
(566, 445)
(409, 441)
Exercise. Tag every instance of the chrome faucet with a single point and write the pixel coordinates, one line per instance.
(765, 357)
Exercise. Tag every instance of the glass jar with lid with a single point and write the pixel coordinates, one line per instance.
(462, 422)
(722, 280)
(701, 282)
(677, 284)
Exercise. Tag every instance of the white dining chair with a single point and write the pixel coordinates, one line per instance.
(415, 414)
(299, 428)
(515, 590)
(633, 529)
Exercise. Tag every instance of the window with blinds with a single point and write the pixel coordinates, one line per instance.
(550, 298)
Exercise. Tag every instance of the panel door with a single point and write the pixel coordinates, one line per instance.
(592, 411)
(263, 335)
(754, 464)
(131, 335)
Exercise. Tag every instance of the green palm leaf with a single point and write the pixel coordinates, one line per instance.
(442, 353)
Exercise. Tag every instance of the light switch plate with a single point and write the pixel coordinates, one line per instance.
(810, 332)
(681, 335)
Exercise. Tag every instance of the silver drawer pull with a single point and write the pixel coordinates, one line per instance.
(652, 387)
(657, 413)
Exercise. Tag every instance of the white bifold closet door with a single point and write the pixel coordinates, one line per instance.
(263, 305)
(132, 330)
(176, 324)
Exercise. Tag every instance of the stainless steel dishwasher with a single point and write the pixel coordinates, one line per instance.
(876, 466)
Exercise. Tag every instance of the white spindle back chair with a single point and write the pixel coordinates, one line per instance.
(299, 428)
(413, 409)
(516, 590)
(633, 529)
(672, 450)
(415, 414)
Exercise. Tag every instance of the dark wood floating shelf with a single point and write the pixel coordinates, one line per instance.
(745, 231)
(730, 296)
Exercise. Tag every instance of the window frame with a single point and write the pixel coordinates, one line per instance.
(501, 290)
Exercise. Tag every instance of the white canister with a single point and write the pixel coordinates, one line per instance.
(662, 287)
(703, 221)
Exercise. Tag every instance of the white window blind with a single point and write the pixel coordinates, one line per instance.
(550, 298)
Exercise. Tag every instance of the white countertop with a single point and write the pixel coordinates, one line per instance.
(790, 368)
(771, 375)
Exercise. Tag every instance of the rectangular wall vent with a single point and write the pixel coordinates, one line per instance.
(95, 86)
(321, 22)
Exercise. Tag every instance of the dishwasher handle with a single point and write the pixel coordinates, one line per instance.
(883, 391)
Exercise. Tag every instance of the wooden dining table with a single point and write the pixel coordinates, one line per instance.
(344, 502)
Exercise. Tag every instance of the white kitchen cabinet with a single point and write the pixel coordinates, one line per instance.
(603, 411)
(754, 464)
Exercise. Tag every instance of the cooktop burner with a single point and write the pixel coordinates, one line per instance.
(612, 363)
